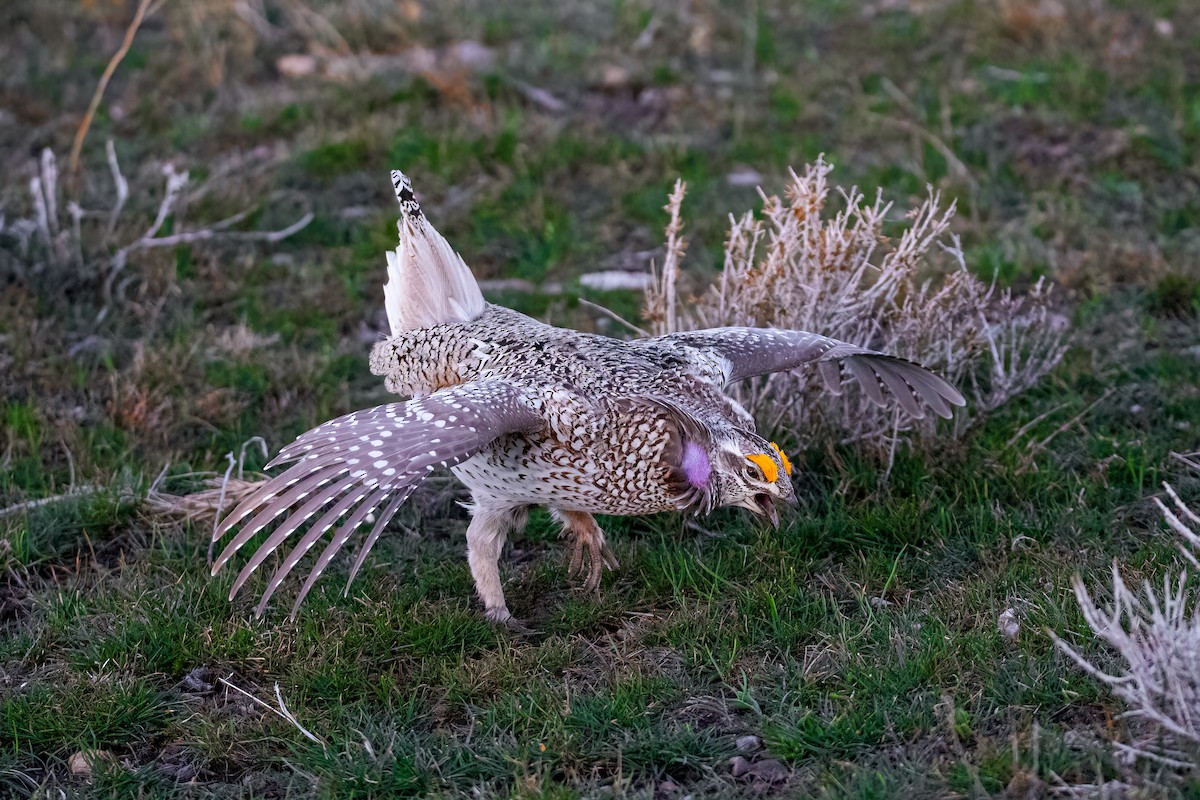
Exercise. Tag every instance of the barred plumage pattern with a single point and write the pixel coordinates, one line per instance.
(528, 414)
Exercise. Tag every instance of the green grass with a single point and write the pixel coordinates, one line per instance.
(859, 642)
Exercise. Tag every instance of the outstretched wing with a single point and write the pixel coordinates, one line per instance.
(747, 352)
(350, 466)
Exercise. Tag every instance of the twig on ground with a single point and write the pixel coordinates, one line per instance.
(70, 466)
(539, 97)
(262, 444)
(614, 315)
(1036, 447)
(1028, 426)
(220, 507)
(143, 10)
(281, 712)
(1187, 459)
(79, 491)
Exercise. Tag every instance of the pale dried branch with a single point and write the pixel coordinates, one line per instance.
(74, 494)
(122, 188)
(661, 295)
(1156, 633)
(282, 711)
(608, 312)
(176, 182)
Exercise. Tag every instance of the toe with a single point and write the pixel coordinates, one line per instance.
(498, 615)
(610, 560)
(518, 628)
(575, 565)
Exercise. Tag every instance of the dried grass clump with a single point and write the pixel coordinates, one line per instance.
(207, 504)
(838, 273)
(1156, 633)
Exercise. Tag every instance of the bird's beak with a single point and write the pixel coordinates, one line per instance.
(764, 506)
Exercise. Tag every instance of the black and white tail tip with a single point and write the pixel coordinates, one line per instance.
(405, 195)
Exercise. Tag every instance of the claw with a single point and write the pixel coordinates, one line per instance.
(515, 627)
(590, 553)
(575, 566)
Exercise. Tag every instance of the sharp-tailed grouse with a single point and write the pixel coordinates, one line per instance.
(527, 414)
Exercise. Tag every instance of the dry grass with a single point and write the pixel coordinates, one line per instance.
(848, 273)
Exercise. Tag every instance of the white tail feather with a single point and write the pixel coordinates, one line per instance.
(428, 283)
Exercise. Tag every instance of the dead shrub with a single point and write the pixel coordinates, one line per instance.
(845, 274)
(1156, 634)
(61, 248)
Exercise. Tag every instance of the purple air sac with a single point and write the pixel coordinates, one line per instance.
(696, 465)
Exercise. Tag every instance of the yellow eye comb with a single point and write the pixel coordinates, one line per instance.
(787, 465)
(767, 465)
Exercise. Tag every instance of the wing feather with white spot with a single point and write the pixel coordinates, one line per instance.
(348, 467)
(747, 352)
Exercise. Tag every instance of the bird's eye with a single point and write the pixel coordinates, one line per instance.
(753, 472)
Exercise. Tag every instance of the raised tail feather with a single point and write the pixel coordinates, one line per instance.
(428, 283)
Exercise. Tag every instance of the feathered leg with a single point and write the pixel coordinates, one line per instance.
(485, 539)
(589, 551)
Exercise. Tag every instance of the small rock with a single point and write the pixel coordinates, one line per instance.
(738, 766)
(543, 99)
(82, 763)
(668, 787)
(748, 744)
(471, 55)
(1164, 28)
(1136, 408)
(744, 176)
(1076, 740)
(194, 681)
(771, 771)
(1009, 627)
(507, 285)
(89, 344)
(616, 280)
(79, 765)
(296, 65)
(614, 77)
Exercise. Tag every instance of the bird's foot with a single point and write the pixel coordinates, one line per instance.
(590, 555)
(500, 618)
(498, 615)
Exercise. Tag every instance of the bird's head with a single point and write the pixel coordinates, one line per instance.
(754, 474)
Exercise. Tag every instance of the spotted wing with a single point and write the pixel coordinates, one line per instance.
(747, 352)
(348, 467)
